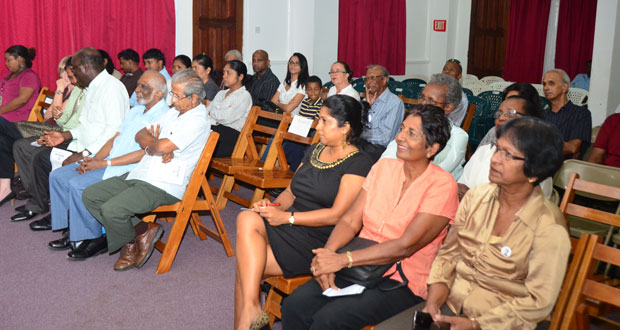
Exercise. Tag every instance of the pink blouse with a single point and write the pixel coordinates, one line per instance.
(9, 89)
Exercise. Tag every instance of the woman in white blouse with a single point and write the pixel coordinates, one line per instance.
(230, 108)
(341, 76)
(292, 91)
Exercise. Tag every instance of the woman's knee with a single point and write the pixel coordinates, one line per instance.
(249, 221)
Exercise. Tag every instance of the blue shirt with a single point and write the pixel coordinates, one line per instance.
(581, 81)
(126, 142)
(133, 100)
(384, 119)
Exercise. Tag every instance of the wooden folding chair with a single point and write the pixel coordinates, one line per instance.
(471, 110)
(280, 288)
(245, 155)
(275, 172)
(408, 101)
(44, 101)
(187, 211)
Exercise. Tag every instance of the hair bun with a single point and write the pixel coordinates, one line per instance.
(32, 53)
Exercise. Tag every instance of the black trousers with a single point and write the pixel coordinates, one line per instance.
(308, 308)
(226, 143)
(8, 135)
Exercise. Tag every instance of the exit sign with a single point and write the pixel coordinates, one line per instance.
(439, 25)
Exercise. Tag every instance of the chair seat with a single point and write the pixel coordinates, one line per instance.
(266, 179)
(280, 288)
(287, 285)
(231, 165)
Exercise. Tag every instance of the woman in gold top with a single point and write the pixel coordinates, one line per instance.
(504, 259)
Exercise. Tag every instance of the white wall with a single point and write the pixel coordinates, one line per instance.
(184, 31)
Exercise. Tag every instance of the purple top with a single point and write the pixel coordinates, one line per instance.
(9, 89)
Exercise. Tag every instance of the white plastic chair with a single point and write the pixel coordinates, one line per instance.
(491, 79)
(539, 88)
(500, 85)
(476, 86)
(578, 96)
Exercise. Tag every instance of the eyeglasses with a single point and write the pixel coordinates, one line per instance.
(335, 72)
(424, 100)
(511, 113)
(293, 63)
(505, 155)
(174, 96)
(367, 78)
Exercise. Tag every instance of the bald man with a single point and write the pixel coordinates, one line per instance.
(263, 84)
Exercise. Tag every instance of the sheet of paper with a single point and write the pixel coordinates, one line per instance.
(171, 172)
(300, 126)
(57, 156)
(348, 291)
(35, 143)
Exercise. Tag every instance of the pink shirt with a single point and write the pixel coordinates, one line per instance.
(9, 89)
(387, 214)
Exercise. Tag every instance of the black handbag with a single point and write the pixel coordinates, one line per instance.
(368, 276)
(17, 187)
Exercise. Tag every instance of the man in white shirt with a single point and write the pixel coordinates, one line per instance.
(172, 149)
(104, 109)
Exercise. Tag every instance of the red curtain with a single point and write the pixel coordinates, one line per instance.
(59, 28)
(575, 39)
(372, 32)
(527, 35)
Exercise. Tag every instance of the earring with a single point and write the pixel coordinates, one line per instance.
(531, 180)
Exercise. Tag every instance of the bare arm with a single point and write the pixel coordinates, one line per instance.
(22, 98)
(288, 107)
(571, 147)
(105, 150)
(597, 155)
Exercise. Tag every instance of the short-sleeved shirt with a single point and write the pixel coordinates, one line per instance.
(9, 89)
(310, 109)
(349, 90)
(388, 211)
(211, 89)
(608, 139)
(231, 110)
(189, 132)
(574, 122)
(287, 95)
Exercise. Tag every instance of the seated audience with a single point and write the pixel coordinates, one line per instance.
(453, 68)
(177, 141)
(291, 91)
(385, 114)
(118, 156)
(574, 122)
(181, 62)
(105, 105)
(203, 66)
(263, 84)
(154, 60)
(130, 64)
(108, 64)
(230, 108)
(341, 76)
(278, 240)
(445, 92)
(606, 149)
(405, 206)
(582, 80)
(504, 259)
(20, 86)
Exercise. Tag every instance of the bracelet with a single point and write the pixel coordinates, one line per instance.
(146, 150)
(109, 162)
(350, 259)
(58, 92)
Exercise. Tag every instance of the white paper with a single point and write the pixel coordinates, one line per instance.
(57, 156)
(172, 172)
(348, 291)
(300, 126)
(35, 143)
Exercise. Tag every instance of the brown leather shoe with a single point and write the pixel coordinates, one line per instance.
(127, 258)
(146, 243)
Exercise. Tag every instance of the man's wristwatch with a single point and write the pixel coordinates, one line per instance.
(291, 219)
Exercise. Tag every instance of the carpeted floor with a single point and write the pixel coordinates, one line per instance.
(42, 289)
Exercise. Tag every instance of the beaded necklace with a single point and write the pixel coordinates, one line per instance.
(314, 160)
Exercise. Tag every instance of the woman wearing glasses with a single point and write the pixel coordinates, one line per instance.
(292, 91)
(341, 76)
(230, 108)
(503, 261)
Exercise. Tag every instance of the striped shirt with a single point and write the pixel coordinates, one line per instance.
(310, 109)
(574, 123)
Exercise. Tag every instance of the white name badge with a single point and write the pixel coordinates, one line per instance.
(506, 251)
(172, 172)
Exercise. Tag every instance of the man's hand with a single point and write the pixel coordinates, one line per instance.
(57, 112)
(371, 97)
(52, 138)
(167, 157)
(72, 159)
(154, 131)
(91, 164)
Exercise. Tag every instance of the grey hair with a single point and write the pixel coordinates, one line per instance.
(565, 77)
(384, 71)
(454, 88)
(236, 53)
(159, 83)
(191, 82)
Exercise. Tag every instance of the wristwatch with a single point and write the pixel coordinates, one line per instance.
(291, 219)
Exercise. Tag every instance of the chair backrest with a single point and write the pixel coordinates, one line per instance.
(468, 92)
(491, 79)
(276, 151)
(546, 104)
(195, 181)
(43, 102)
(408, 101)
(500, 85)
(539, 89)
(482, 106)
(471, 110)
(359, 85)
(596, 173)
(245, 146)
(413, 82)
(396, 87)
(328, 85)
(494, 98)
(476, 86)
(578, 96)
(470, 76)
(575, 184)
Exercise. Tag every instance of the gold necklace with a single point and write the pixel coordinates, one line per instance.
(314, 160)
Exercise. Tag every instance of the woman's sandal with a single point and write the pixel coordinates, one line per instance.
(261, 321)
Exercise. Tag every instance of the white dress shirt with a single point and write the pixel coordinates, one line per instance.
(349, 90)
(231, 110)
(286, 96)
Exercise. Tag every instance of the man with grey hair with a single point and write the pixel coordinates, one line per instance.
(118, 155)
(172, 148)
(232, 55)
(574, 122)
(385, 114)
(444, 92)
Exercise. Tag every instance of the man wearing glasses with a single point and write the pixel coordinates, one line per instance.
(443, 91)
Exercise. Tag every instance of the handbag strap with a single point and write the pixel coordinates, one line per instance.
(405, 281)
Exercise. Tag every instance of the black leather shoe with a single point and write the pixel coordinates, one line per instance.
(20, 208)
(44, 223)
(89, 248)
(23, 215)
(60, 244)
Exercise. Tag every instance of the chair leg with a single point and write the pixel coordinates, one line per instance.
(195, 221)
(219, 225)
(258, 195)
(227, 183)
(174, 239)
(272, 306)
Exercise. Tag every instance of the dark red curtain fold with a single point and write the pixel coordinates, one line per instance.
(527, 36)
(59, 28)
(575, 39)
(372, 32)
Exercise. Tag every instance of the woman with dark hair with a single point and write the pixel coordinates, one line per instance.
(181, 62)
(230, 108)
(109, 65)
(502, 264)
(203, 66)
(20, 86)
(341, 76)
(278, 240)
(292, 90)
(404, 206)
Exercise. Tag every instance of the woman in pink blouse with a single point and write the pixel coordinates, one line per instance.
(19, 88)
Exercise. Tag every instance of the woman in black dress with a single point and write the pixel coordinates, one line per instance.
(278, 240)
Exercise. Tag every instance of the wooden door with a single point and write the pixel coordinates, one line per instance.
(218, 28)
(487, 37)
